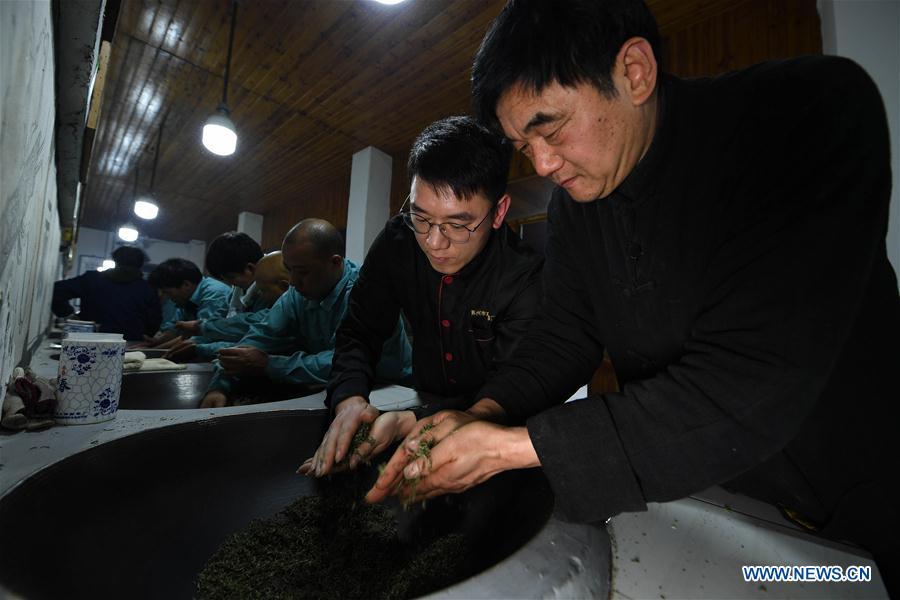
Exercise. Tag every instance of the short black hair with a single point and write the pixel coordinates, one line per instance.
(173, 272)
(230, 253)
(458, 153)
(535, 43)
(129, 256)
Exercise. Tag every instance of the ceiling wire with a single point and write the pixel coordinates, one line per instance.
(162, 124)
(234, 7)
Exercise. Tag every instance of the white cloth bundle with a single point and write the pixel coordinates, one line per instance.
(138, 361)
(133, 361)
(161, 364)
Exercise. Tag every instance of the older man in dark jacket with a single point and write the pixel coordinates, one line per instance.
(724, 240)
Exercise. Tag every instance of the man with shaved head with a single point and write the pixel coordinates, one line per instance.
(270, 280)
(295, 342)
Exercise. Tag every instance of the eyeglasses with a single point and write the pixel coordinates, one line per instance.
(455, 232)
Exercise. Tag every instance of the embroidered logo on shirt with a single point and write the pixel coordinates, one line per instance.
(482, 325)
(481, 314)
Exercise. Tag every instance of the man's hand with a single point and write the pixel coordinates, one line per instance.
(186, 350)
(387, 428)
(430, 431)
(161, 338)
(170, 343)
(189, 327)
(214, 399)
(349, 414)
(469, 455)
(243, 360)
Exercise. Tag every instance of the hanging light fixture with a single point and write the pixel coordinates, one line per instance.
(146, 207)
(128, 233)
(107, 264)
(219, 134)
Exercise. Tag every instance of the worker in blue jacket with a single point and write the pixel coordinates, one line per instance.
(295, 343)
(171, 314)
(196, 296)
(232, 257)
(270, 280)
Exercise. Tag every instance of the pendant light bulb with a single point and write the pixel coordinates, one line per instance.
(219, 135)
(146, 208)
(127, 233)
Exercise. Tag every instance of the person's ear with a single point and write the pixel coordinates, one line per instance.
(636, 64)
(283, 285)
(250, 270)
(337, 259)
(500, 210)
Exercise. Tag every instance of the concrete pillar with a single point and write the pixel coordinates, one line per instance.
(196, 250)
(370, 200)
(251, 224)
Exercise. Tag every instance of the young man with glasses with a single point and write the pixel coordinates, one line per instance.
(467, 286)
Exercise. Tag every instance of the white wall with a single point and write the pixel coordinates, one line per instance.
(99, 243)
(251, 224)
(160, 250)
(93, 246)
(868, 31)
(29, 223)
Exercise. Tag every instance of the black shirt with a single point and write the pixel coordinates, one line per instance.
(463, 326)
(739, 280)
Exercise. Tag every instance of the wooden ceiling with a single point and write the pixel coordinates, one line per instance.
(312, 82)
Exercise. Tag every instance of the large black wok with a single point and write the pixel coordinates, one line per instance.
(140, 516)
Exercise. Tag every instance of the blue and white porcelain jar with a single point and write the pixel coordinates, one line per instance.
(89, 378)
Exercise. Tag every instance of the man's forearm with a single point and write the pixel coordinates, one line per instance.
(300, 368)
